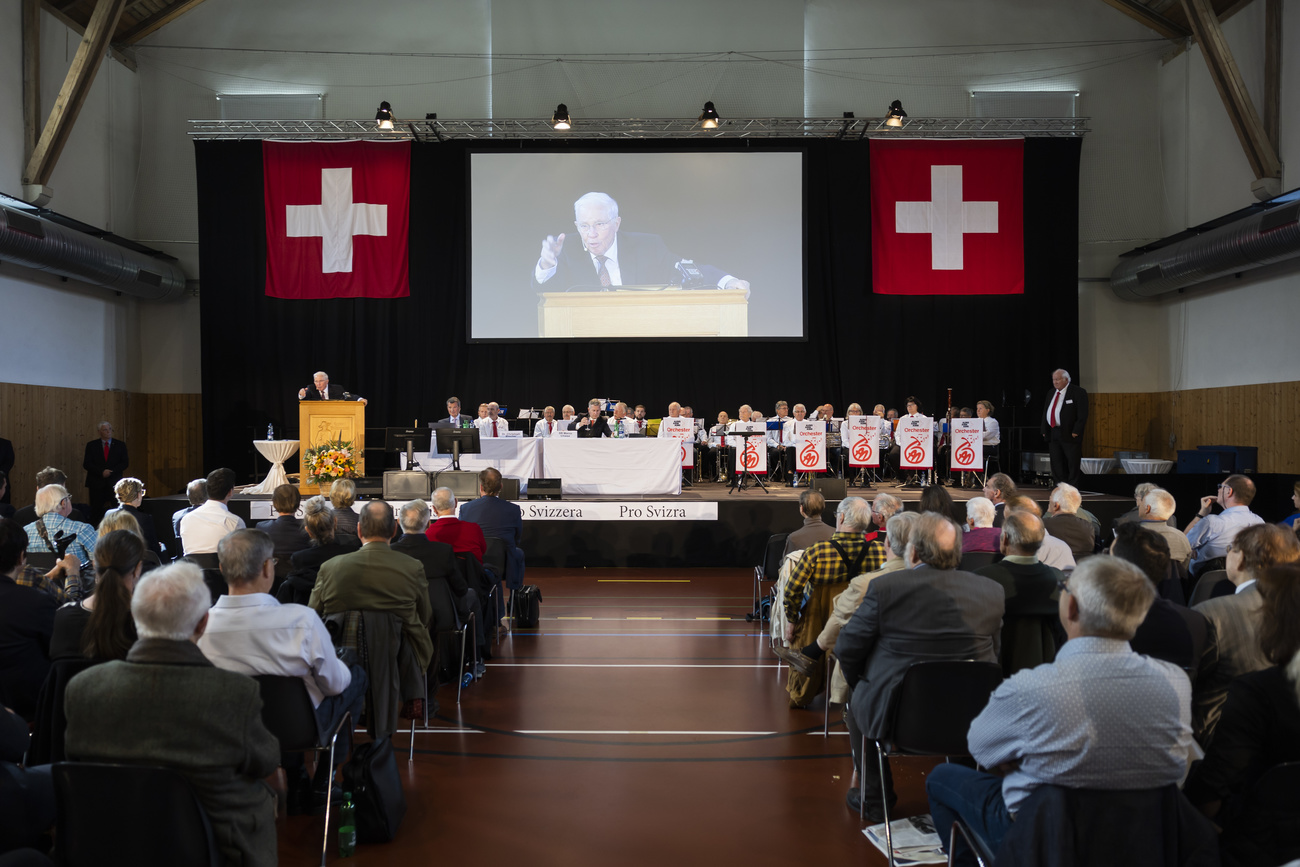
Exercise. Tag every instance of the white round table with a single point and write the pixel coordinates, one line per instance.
(1138, 467)
(277, 452)
(1098, 466)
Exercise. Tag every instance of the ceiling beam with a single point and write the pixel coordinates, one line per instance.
(1150, 18)
(31, 76)
(1232, 89)
(154, 22)
(76, 86)
(125, 59)
(1273, 71)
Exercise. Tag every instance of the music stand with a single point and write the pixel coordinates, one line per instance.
(408, 439)
(456, 442)
(739, 481)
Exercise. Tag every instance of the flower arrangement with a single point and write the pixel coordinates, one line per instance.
(325, 463)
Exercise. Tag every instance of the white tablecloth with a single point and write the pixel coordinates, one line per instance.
(1098, 466)
(277, 452)
(1136, 467)
(620, 467)
(516, 457)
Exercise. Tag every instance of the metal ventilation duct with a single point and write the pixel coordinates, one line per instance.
(32, 242)
(1252, 241)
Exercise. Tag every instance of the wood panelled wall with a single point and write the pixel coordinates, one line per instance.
(50, 427)
(1265, 416)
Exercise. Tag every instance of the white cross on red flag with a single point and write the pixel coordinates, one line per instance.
(337, 219)
(947, 217)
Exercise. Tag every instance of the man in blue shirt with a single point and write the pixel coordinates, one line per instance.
(1210, 535)
(1099, 717)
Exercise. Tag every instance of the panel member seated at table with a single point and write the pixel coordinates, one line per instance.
(637, 425)
(493, 425)
(322, 390)
(618, 423)
(593, 424)
(454, 415)
(568, 417)
(547, 425)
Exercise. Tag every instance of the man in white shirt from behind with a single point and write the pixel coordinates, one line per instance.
(251, 633)
(203, 528)
(1054, 552)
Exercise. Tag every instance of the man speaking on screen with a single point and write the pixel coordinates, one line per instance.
(610, 258)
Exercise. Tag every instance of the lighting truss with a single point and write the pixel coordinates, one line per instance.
(609, 129)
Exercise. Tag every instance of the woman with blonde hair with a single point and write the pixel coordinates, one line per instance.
(121, 519)
(130, 494)
(343, 493)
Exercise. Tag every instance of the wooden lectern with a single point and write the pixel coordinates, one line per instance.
(323, 421)
(663, 313)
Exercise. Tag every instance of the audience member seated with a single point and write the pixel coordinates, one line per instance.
(1099, 717)
(1293, 521)
(900, 530)
(927, 611)
(343, 493)
(100, 627)
(1135, 513)
(498, 519)
(936, 499)
(439, 562)
(1063, 522)
(318, 519)
(26, 623)
(883, 507)
(1211, 535)
(53, 525)
(1170, 632)
(6, 508)
(1156, 513)
(1053, 551)
(121, 519)
(130, 494)
(285, 529)
(167, 705)
(814, 529)
(980, 535)
(999, 488)
(249, 632)
(1258, 729)
(1232, 647)
(1031, 631)
(50, 476)
(464, 537)
(377, 578)
(26, 793)
(197, 493)
(204, 528)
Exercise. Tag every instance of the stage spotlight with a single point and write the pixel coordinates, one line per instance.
(709, 117)
(384, 117)
(895, 115)
(561, 119)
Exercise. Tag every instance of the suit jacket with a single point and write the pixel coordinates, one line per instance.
(497, 517)
(462, 536)
(439, 563)
(26, 624)
(94, 463)
(599, 428)
(1073, 411)
(1074, 531)
(813, 530)
(914, 615)
(1173, 633)
(1231, 650)
(166, 704)
(642, 259)
(288, 537)
(377, 578)
(1031, 627)
(335, 392)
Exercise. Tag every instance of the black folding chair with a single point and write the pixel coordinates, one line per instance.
(930, 714)
(288, 714)
(974, 560)
(147, 815)
(1205, 586)
(770, 568)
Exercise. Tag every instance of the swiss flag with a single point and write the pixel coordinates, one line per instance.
(337, 215)
(947, 217)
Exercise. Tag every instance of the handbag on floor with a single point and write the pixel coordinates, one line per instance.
(527, 604)
(371, 776)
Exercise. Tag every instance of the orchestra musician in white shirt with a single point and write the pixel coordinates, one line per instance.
(638, 424)
(800, 413)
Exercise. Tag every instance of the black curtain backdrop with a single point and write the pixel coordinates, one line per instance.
(408, 355)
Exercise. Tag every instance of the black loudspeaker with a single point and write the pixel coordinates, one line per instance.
(509, 488)
(544, 489)
(831, 489)
(406, 485)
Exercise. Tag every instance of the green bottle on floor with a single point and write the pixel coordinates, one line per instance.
(347, 827)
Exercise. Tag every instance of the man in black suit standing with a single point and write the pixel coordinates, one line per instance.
(104, 463)
(322, 390)
(1064, 418)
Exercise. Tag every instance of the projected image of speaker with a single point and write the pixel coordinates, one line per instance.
(544, 489)
(831, 489)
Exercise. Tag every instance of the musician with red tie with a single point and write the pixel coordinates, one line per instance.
(1065, 416)
(547, 426)
(494, 425)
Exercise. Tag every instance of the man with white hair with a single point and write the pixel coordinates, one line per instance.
(464, 537)
(449, 593)
(546, 425)
(1154, 513)
(1064, 523)
(1065, 416)
(926, 611)
(322, 390)
(1099, 717)
(53, 526)
(612, 258)
(167, 704)
(980, 536)
(999, 488)
(1053, 551)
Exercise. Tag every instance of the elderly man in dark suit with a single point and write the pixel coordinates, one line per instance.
(499, 519)
(166, 704)
(105, 462)
(1065, 416)
(322, 390)
(1031, 631)
(926, 611)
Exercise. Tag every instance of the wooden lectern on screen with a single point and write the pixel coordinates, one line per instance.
(324, 421)
(666, 313)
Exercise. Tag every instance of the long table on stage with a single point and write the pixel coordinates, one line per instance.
(649, 467)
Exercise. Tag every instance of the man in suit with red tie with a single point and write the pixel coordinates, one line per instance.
(1064, 418)
(104, 463)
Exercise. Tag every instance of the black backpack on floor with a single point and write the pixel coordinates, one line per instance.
(527, 603)
(371, 776)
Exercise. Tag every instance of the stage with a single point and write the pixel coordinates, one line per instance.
(707, 525)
